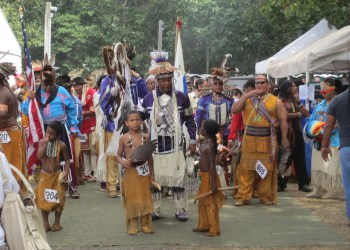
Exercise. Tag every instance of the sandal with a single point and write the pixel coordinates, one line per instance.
(56, 227)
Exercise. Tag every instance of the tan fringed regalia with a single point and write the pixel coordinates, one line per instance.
(15, 151)
(258, 147)
(50, 181)
(208, 207)
(136, 192)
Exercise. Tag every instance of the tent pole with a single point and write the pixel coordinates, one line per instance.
(307, 78)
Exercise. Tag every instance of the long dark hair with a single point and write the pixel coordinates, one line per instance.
(285, 90)
(212, 128)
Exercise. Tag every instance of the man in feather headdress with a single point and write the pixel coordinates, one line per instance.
(10, 132)
(167, 110)
(215, 105)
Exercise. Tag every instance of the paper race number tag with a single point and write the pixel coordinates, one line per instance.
(83, 137)
(143, 170)
(4, 137)
(218, 169)
(260, 169)
(51, 195)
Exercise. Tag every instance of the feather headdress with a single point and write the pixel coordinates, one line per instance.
(37, 65)
(49, 72)
(219, 73)
(162, 68)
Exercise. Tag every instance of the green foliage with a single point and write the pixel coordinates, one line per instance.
(250, 30)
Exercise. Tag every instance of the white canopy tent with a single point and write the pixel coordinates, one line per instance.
(10, 51)
(330, 53)
(317, 32)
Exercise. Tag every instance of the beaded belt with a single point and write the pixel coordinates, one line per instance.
(258, 131)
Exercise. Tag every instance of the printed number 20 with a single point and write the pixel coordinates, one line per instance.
(144, 169)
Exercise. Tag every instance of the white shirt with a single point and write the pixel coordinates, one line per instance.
(12, 184)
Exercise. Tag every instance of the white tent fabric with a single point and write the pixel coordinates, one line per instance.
(318, 31)
(10, 51)
(331, 53)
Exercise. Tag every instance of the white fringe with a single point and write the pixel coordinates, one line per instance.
(326, 181)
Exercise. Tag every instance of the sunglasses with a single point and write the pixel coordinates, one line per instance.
(260, 82)
(323, 92)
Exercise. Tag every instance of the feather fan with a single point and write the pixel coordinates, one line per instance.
(144, 152)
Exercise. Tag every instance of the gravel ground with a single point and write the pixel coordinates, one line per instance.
(331, 212)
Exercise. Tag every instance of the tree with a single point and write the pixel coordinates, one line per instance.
(250, 30)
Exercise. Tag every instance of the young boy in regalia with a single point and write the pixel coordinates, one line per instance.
(208, 206)
(50, 192)
(136, 177)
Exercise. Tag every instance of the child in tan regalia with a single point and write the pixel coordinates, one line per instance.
(209, 206)
(50, 192)
(136, 177)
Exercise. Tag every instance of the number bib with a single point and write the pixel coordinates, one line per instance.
(51, 195)
(83, 137)
(143, 170)
(4, 137)
(260, 169)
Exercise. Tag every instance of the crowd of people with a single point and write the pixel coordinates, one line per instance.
(250, 140)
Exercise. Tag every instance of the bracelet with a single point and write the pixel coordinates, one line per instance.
(325, 147)
(300, 105)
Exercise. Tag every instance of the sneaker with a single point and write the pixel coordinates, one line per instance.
(181, 215)
(74, 194)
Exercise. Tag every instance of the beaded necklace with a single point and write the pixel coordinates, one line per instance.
(130, 144)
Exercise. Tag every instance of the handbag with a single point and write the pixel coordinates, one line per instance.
(23, 225)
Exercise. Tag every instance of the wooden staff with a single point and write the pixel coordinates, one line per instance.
(211, 192)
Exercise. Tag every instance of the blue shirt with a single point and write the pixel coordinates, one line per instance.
(320, 114)
(62, 109)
